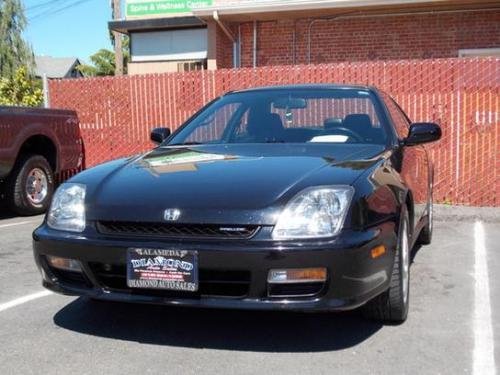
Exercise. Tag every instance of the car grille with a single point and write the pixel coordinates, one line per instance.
(215, 283)
(176, 230)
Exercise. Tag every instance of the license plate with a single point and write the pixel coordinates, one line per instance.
(162, 269)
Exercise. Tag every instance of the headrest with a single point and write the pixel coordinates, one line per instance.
(356, 121)
(332, 122)
(268, 125)
(273, 120)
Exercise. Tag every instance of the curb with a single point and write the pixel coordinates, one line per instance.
(444, 212)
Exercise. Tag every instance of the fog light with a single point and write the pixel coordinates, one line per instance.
(64, 263)
(297, 275)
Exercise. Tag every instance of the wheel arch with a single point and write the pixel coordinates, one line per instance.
(42, 145)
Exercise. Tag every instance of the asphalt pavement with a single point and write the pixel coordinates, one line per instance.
(453, 325)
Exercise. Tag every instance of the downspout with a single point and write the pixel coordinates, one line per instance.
(239, 45)
(229, 34)
(235, 55)
(309, 30)
(255, 43)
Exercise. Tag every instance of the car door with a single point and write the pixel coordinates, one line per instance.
(414, 167)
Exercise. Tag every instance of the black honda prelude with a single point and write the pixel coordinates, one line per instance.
(305, 197)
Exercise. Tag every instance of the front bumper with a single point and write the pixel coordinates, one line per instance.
(233, 274)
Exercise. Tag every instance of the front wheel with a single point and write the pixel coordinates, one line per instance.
(30, 186)
(425, 236)
(392, 305)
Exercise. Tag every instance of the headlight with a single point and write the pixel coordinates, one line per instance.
(314, 212)
(67, 211)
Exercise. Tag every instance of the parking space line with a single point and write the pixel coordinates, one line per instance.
(483, 357)
(21, 300)
(18, 223)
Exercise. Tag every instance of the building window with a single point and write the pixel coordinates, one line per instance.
(189, 66)
(169, 45)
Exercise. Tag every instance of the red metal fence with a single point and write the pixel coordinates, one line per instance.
(463, 95)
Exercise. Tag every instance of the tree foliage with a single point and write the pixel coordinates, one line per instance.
(17, 87)
(14, 51)
(103, 62)
(21, 89)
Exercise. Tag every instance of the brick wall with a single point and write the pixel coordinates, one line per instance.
(364, 39)
(224, 50)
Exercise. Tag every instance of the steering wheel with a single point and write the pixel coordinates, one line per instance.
(347, 132)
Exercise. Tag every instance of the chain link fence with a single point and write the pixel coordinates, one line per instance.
(463, 95)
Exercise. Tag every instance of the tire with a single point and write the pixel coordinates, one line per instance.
(32, 173)
(425, 236)
(392, 305)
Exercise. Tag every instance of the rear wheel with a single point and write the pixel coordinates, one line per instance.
(392, 305)
(30, 186)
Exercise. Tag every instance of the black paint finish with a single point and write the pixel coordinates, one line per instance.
(249, 185)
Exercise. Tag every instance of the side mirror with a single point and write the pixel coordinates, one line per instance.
(422, 132)
(158, 135)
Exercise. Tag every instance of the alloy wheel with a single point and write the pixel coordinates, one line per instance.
(37, 186)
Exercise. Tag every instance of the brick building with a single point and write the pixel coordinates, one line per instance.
(179, 35)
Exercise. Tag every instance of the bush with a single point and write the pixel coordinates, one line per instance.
(21, 90)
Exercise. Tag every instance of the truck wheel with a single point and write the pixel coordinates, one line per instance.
(30, 186)
(392, 305)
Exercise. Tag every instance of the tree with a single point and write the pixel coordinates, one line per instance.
(21, 90)
(103, 62)
(14, 51)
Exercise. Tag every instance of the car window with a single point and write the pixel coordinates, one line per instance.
(288, 116)
(211, 126)
(401, 121)
(328, 111)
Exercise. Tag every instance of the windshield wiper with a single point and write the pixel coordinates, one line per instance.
(184, 144)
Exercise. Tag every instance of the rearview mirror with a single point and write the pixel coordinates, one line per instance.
(422, 132)
(158, 135)
(289, 103)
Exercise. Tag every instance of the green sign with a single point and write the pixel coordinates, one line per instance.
(154, 7)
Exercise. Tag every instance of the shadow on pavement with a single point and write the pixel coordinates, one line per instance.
(216, 329)
(5, 213)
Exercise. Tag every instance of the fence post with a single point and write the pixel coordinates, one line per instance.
(46, 99)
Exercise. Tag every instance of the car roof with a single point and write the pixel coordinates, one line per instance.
(307, 86)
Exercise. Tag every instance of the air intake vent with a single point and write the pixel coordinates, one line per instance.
(176, 230)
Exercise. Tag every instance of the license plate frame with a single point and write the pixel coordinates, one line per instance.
(163, 269)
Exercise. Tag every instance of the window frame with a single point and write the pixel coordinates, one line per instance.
(389, 100)
(381, 111)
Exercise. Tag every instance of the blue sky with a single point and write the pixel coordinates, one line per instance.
(78, 31)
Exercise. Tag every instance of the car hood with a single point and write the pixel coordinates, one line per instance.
(219, 184)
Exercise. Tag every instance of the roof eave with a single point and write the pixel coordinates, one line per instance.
(301, 5)
(149, 24)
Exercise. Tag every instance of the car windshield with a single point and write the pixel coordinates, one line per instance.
(287, 116)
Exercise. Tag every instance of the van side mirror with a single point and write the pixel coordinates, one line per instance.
(422, 132)
(158, 135)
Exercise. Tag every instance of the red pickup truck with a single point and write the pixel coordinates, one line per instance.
(38, 148)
